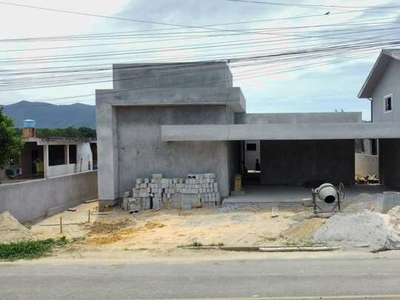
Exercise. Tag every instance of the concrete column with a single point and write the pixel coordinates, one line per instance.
(107, 147)
(45, 160)
(66, 147)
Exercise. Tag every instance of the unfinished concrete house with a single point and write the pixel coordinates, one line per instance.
(183, 118)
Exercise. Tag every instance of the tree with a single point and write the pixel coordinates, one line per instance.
(11, 143)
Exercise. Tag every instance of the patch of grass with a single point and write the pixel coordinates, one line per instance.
(30, 249)
(196, 244)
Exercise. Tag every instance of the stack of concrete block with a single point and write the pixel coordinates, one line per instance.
(130, 204)
(194, 191)
(200, 190)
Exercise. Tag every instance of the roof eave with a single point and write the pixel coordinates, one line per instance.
(369, 84)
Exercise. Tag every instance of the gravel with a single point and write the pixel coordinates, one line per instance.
(354, 229)
(371, 202)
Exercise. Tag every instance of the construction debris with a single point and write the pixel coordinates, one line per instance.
(11, 231)
(369, 179)
(377, 231)
(194, 191)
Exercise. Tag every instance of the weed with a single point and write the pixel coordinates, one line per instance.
(30, 249)
(138, 249)
(216, 244)
(194, 244)
(303, 243)
(198, 244)
(77, 239)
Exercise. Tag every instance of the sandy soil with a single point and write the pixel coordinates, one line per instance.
(154, 234)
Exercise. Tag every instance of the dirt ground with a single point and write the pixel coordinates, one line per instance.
(164, 231)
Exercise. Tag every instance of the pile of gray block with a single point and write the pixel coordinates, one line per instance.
(194, 191)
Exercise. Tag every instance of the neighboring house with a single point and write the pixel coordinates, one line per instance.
(185, 118)
(50, 157)
(382, 88)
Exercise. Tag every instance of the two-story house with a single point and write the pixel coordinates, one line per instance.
(382, 88)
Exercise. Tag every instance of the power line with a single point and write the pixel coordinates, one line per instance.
(209, 46)
(160, 30)
(302, 5)
(258, 74)
(119, 18)
(364, 25)
(26, 81)
(298, 54)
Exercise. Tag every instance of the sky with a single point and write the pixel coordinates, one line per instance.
(287, 56)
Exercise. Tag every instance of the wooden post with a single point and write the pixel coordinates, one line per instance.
(88, 218)
(61, 229)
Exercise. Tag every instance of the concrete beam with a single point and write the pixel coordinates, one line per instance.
(296, 118)
(323, 131)
(231, 97)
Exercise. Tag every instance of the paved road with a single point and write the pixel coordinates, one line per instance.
(368, 278)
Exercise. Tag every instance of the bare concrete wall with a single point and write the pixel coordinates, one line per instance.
(141, 151)
(167, 75)
(33, 199)
(366, 164)
(300, 162)
(389, 162)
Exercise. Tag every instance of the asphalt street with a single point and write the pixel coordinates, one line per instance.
(372, 278)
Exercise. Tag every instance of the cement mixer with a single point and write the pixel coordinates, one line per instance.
(328, 194)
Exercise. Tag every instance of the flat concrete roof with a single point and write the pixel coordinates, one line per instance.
(58, 140)
(304, 131)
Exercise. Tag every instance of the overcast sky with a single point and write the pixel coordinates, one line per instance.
(76, 55)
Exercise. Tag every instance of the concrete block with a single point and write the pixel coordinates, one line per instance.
(156, 176)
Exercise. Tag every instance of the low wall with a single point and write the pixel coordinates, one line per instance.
(30, 200)
(367, 164)
(60, 170)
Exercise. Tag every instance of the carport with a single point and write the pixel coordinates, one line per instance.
(297, 153)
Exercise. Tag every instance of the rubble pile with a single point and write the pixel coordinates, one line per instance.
(371, 202)
(367, 179)
(369, 229)
(194, 191)
(361, 229)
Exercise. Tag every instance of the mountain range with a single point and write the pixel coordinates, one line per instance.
(49, 115)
